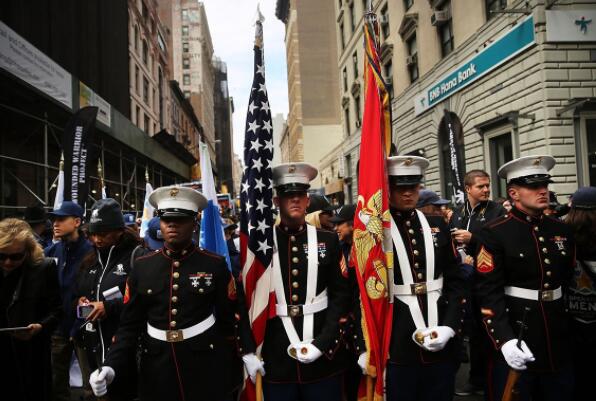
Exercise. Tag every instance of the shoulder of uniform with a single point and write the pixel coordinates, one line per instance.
(210, 254)
(326, 235)
(143, 257)
(499, 220)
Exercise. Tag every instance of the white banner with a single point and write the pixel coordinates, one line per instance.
(26, 62)
(87, 97)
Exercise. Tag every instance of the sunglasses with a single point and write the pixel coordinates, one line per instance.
(15, 257)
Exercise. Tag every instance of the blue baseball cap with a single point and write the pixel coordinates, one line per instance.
(428, 197)
(153, 237)
(129, 219)
(68, 208)
(584, 198)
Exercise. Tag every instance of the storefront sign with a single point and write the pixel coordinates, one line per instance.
(571, 26)
(501, 50)
(87, 97)
(26, 62)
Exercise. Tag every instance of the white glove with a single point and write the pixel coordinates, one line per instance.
(363, 362)
(253, 365)
(99, 380)
(515, 357)
(435, 338)
(312, 353)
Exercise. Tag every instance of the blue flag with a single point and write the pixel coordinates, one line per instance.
(212, 235)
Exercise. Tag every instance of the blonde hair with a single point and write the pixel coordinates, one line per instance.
(313, 219)
(12, 230)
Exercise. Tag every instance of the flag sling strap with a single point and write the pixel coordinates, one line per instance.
(406, 273)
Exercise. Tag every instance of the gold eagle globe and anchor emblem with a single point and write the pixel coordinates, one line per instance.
(373, 217)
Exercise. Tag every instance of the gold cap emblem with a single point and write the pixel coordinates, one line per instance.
(174, 192)
(408, 161)
(537, 161)
(292, 169)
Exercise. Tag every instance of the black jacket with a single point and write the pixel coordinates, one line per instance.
(473, 219)
(536, 253)
(328, 332)
(36, 299)
(176, 290)
(402, 349)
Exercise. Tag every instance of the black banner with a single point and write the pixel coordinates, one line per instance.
(77, 144)
(454, 162)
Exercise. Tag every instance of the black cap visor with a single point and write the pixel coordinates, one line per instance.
(532, 181)
(176, 213)
(404, 180)
(291, 188)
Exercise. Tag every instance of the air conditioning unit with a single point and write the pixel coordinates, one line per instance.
(440, 17)
(384, 19)
(411, 60)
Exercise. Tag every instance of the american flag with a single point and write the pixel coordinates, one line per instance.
(256, 198)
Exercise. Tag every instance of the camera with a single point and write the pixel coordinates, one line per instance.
(83, 311)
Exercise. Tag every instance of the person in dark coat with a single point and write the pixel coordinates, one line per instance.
(37, 218)
(101, 286)
(523, 263)
(30, 298)
(181, 301)
(303, 351)
(581, 294)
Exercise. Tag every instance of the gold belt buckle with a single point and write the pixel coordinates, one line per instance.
(418, 288)
(547, 295)
(293, 310)
(173, 336)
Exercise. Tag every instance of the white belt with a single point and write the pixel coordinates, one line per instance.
(418, 288)
(301, 310)
(534, 295)
(173, 336)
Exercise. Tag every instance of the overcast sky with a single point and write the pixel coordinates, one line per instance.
(231, 23)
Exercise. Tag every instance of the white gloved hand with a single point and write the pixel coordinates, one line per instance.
(99, 380)
(439, 338)
(363, 362)
(253, 365)
(515, 357)
(435, 338)
(312, 353)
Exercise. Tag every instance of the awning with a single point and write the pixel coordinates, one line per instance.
(334, 187)
(174, 147)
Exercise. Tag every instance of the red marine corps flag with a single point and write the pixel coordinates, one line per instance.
(373, 249)
(256, 200)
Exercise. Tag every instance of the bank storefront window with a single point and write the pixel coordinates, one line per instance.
(498, 149)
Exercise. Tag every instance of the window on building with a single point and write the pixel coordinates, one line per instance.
(187, 94)
(186, 63)
(348, 165)
(445, 29)
(184, 15)
(160, 105)
(144, 10)
(145, 52)
(138, 117)
(499, 150)
(408, 4)
(494, 5)
(355, 64)
(357, 115)
(339, 3)
(347, 124)
(154, 99)
(345, 79)
(137, 80)
(352, 18)
(136, 38)
(342, 38)
(147, 125)
(587, 159)
(185, 47)
(184, 30)
(145, 90)
(388, 76)
(384, 22)
(186, 79)
(412, 59)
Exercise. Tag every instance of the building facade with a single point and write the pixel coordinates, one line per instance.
(314, 121)
(514, 78)
(224, 139)
(192, 59)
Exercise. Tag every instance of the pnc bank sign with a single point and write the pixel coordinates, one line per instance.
(500, 51)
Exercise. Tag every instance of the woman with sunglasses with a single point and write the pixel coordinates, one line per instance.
(30, 309)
